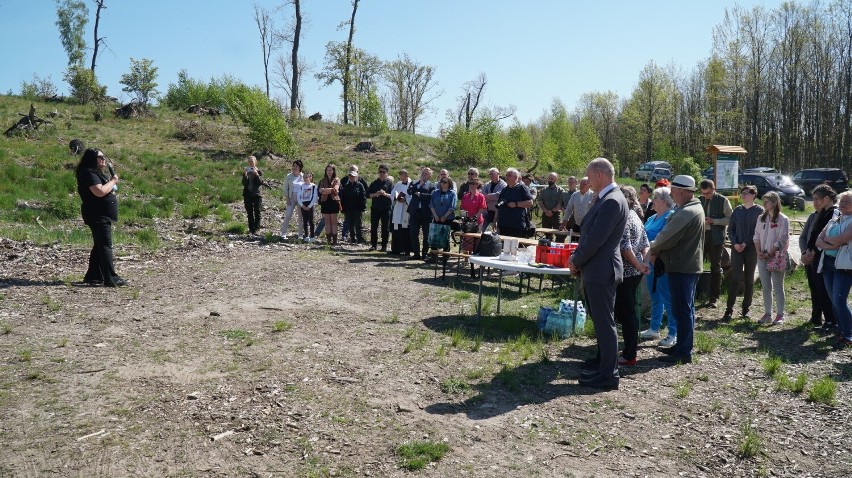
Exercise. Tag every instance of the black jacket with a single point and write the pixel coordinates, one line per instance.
(353, 196)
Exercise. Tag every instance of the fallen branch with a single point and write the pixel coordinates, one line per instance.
(90, 435)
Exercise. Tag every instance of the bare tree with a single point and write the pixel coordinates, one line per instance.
(98, 41)
(348, 65)
(410, 91)
(283, 78)
(268, 40)
(469, 100)
(294, 58)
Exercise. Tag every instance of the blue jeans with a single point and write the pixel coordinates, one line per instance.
(837, 283)
(682, 288)
(660, 300)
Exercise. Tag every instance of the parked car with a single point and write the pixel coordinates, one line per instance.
(661, 173)
(647, 169)
(709, 173)
(808, 179)
(790, 194)
(761, 169)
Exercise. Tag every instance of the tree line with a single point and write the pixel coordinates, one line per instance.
(777, 82)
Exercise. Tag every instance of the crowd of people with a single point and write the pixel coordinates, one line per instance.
(658, 235)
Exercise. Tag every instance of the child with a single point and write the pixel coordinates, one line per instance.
(307, 200)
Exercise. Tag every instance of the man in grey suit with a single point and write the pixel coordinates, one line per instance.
(598, 259)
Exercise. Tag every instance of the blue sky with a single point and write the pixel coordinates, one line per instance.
(532, 52)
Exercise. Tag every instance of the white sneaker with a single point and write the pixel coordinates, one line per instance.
(669, 341)
(649, 334)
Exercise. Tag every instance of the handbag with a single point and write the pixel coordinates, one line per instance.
(439, 236)
(844, 258)
(779, 262)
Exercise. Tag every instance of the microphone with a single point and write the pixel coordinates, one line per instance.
(112, 173)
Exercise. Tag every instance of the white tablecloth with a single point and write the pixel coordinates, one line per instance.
(496, 263)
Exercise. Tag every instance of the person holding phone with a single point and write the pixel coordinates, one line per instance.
(251, 193)
(99, 211)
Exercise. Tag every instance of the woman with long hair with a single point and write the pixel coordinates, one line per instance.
(100, 211)
(329, 186)
(771, 238)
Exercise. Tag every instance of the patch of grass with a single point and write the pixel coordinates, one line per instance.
(772, 365)
(705, 343)
(509, 376)
(750, 443)
(682, 389)
(281, 326)
(416, 455)
(393, 319)
(25, 355)
(148, 238)
(416, 339)
(824, 391)
(52, 304)
(475, 374)
(236, 334)
(5, 328)
(454, 386)
(236, 228)
(797, 385)
(457, 337)
(34, 375)
(62, 342)
(476, 344)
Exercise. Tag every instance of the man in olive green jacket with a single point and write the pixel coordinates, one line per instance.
(680, 245)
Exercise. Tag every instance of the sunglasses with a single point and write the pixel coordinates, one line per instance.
(445, 182)
(382, 171)
(747, 192)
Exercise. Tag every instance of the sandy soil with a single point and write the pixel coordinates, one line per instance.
(320, 363)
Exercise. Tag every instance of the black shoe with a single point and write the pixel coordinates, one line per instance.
(711, 304)
(675, 359)
(429, 259)
(841, 344)
(729, 316)
(591, 364)
(587, 374)
(94, 283)
(828, 328)
(372, 248)
(116, 283)
(745, 313)
(416, 257)
(384, 249)
(815, 322)
(600, 382)
(667, 350)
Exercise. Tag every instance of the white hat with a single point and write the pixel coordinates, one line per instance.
(683, 181)
(353, 173)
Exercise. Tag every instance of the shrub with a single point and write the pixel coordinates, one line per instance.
(824, 391)
(39, 88)
(141, 81)
(267, 126)
(84, 86)
(750, 443)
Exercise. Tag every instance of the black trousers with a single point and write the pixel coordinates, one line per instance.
(625, 314)
(820, 299)
(353, 220)
(379, 218)
(101, 266)
(253, 205)
(743, 265)
(400, 240)
(308, 222)
(418, 227)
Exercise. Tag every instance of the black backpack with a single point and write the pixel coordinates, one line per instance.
(489, 245)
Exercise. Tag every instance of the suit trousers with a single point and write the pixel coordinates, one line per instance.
(417, 227)
(682, 289)
(601, 301)
(101, 266)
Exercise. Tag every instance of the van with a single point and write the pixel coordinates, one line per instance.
(646, 170)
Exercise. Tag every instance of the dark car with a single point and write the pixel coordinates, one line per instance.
(808, 179)
(761, 169)
(790, 194)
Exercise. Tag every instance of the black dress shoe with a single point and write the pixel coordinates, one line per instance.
(600, 382)
(94, 283)
(667, 350)
(676, 359)
(587, 374)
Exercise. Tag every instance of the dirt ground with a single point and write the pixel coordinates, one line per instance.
(240, 358)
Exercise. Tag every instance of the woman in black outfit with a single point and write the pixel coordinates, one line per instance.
(100, 211)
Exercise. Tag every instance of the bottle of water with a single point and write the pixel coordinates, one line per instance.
(112, 173)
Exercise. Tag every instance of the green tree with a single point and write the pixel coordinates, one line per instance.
(371, 113)
(266, 124)
(141, 81)
(71, 18)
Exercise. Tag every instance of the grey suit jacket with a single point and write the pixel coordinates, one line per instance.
(598, 253)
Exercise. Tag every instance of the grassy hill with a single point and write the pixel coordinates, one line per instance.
(173, 165)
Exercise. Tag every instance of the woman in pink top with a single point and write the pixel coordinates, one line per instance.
(473, 203)
(771, 235)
